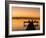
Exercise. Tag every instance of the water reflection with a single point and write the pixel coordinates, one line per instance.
(25, 24)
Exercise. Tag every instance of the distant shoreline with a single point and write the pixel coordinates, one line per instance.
(26, 18)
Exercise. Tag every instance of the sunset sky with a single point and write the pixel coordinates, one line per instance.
(23, 12)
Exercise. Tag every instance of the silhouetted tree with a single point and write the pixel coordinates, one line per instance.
(30, 25)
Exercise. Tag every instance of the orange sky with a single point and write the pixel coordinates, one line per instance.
(25, 12)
